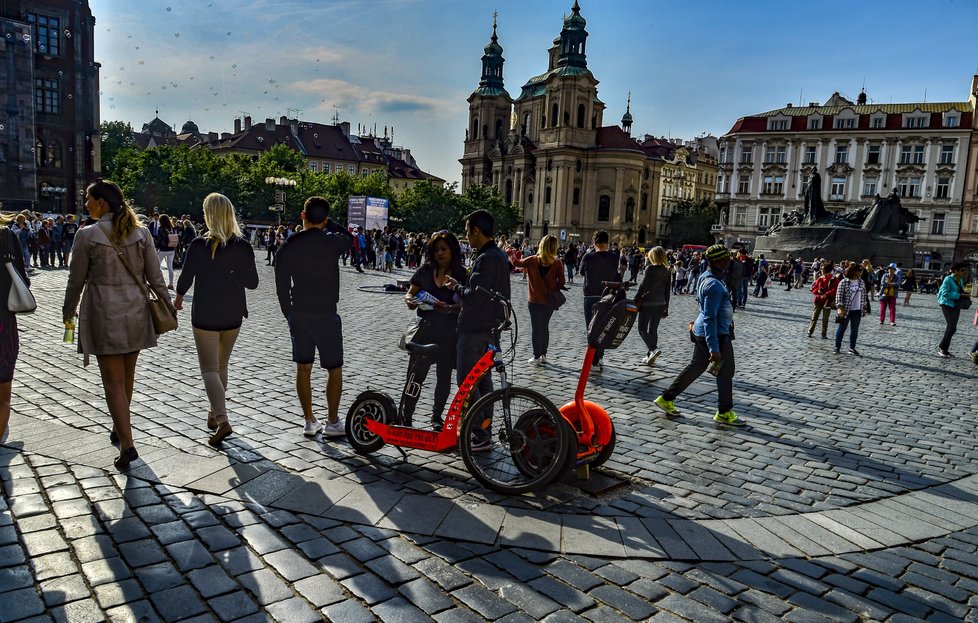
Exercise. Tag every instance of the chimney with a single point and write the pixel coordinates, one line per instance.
(789, 105)
(247, 123)
(344, 128)
(237, 125)
(212, 137)
(225, 135)
(283, 120)
(269, 124)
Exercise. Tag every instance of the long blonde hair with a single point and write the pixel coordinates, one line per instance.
(657, 256)
(124, 219)
(221, 222)
(547, 250)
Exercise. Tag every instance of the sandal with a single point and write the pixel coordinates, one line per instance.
(128, 456)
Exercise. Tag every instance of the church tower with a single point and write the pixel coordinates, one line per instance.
(490, 111)
(626, 119)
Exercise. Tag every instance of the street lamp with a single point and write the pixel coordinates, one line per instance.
(281, 183)
(55, 193)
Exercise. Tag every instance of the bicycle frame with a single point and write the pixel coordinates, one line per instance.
(410, 437)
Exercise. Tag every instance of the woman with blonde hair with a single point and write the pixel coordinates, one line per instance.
(545, 276)
(115, 323)
(9, 340)
(652, 299)
(222, 263)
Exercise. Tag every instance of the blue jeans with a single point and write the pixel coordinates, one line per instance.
(853, 316)
(742, 292)
(761, 286)
(570, 271)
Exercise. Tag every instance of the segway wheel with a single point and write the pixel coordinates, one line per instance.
(607, 450)
(375, 406)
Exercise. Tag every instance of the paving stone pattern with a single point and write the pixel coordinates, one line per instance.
(834, 505)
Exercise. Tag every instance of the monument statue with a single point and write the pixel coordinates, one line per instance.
(815, 211)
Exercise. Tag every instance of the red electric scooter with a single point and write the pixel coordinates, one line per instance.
(593, 438)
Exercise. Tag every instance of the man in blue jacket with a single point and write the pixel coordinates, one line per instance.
(712, 342)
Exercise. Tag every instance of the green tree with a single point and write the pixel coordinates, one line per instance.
(479, 197)
(691, 221)
(429, 207)
(115, 136)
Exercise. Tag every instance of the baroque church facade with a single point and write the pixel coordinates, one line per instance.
(548, 150)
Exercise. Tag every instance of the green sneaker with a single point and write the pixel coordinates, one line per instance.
(666, 406)
(728, 418)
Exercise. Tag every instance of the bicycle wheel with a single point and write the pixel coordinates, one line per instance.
(376, 406)
(528, 459)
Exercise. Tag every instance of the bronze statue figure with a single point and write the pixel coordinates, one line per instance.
(815, 211)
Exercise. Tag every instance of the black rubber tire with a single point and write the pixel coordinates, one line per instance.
(532, 459)
(607, 450)
(376, 406)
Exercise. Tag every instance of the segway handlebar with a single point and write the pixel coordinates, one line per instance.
(620, 285)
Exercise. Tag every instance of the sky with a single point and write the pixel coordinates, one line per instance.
(692, 67)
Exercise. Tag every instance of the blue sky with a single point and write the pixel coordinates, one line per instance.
(692, 67)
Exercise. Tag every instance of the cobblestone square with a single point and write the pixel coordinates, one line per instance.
(852, 495)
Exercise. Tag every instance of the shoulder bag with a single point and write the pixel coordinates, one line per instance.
(163, 319)
(20, 300)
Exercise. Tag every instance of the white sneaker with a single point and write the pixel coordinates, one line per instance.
(597, 367)
(543, 360)
(334, 429)
(533, 361)
(311, 428)
(651, 357)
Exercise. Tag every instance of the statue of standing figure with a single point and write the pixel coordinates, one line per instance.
(814, 208)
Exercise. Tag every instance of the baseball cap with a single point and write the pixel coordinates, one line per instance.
(717, 252)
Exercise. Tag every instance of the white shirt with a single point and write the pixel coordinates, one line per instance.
(856, 287)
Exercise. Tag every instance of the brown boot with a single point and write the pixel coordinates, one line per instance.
(223, 430)
(211, 421)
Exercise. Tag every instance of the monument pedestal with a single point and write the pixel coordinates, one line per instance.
(835, 243)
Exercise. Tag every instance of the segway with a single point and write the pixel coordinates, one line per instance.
(593, 429)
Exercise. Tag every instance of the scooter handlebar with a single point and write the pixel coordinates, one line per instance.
(619, 285)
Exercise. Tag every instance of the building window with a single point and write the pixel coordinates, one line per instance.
(325, 167)
(747, 154)
(352, 169)
(775, 154)
(842, 153)
(740, 216)
(869, 186)
(814, 124)
(509, 190)
(912, 228)
(580, 115)
(905, 152)
(877, 122)
(47, 33)
(811, 153)
(644, 202)
(951, 121)
(947, 154)
(845, 124)
(764, 218)
(915, 122)
(943, 186)
(630, 210)
(604, 208)
(918, 154)
(40, 155)
(873, 155)
(937, 224)
(554, 112)
(54, 154)
(46, 96)
(773, 185)
(364, 172)
(547, 195)
(838, 191)
(313, 166)
(909, 186)
(743, 185)
(777, 124)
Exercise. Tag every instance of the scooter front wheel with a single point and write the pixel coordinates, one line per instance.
(520, 458)
(375, 406)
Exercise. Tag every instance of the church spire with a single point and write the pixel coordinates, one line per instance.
(626, 119)
(573, 40)
(492, 65)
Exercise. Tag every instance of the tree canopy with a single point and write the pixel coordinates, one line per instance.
(691, 221)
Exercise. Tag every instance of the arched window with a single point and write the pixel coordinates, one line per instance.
(604, 208)
(594, 122)
(529, 199)
(485, 130)
(543, 121)
(547, 195)
(566, 118)
(499, 128)
(509, 191)
(645, 201)
(577, 196)
(554, 115)
(475, 128)
(580, 115)
(55, 153)
(526, 123)
(641, 235)
(40, 155)
(630, 210)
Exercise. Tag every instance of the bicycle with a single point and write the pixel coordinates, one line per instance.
(529, 437)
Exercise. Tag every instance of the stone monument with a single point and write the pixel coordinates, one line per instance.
(877, 232)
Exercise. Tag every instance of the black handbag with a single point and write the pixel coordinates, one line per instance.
(556, 298)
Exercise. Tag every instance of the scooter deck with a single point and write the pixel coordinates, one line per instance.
(409, 437)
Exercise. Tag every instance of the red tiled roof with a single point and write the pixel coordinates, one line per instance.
(613, 137)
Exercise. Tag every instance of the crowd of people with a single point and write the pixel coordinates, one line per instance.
(112, 257)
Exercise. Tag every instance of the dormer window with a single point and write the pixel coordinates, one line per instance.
(777, 124)
(916, 120)
(952, 119)
(844, 123)
(877, 122)
(814, 123)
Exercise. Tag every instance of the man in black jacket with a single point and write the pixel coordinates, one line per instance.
(480, 313)
(597, 266)
(307, 281)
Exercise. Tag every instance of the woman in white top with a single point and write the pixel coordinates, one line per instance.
(852, 303)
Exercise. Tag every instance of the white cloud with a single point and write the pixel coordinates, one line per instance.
(349, 96)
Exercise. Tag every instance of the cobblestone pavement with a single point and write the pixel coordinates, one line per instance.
(852, 496)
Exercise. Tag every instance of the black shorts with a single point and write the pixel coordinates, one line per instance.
(312, 332)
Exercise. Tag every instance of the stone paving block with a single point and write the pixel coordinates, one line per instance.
(864, 524)
(58, 591)
(670, 541)
(909, 526)
(365, 505)
(265, 586)
(368, 587)
(189, 555)
(177, 603)
(754, 532)
(141, 611)
(290, 565)
(21, 604)
(633, 606)
(859, 539)
(638, 541)
(594, 536)
(142, 553)
(127, 529)
(315, 496)
(217, 538)
(949, 522)
(564, 594)
(159, 577)
(12, 578)
(107, 570)
(53, 566)
(419, 514)
(268, 487)
(320, 590)
(400, 609)
(233, 606)
(531, 529)
(225, 479)
(442, 573)
(802, 524)
(118, 593)
(81, 611)
(211, 581)
(349, 611)
(474, 522)
(485, 602)
(701, 540)
(690, 609)
(393, 570)
(426, 595)
(262, 539)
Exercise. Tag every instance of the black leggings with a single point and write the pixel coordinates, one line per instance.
(540, 327)
(648, 326)
(951, 316)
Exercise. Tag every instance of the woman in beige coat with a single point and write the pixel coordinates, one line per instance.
(114, 323)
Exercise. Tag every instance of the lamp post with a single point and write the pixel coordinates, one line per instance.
(281, 183)
(55, 193)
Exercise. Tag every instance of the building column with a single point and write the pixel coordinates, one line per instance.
(618, 203)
